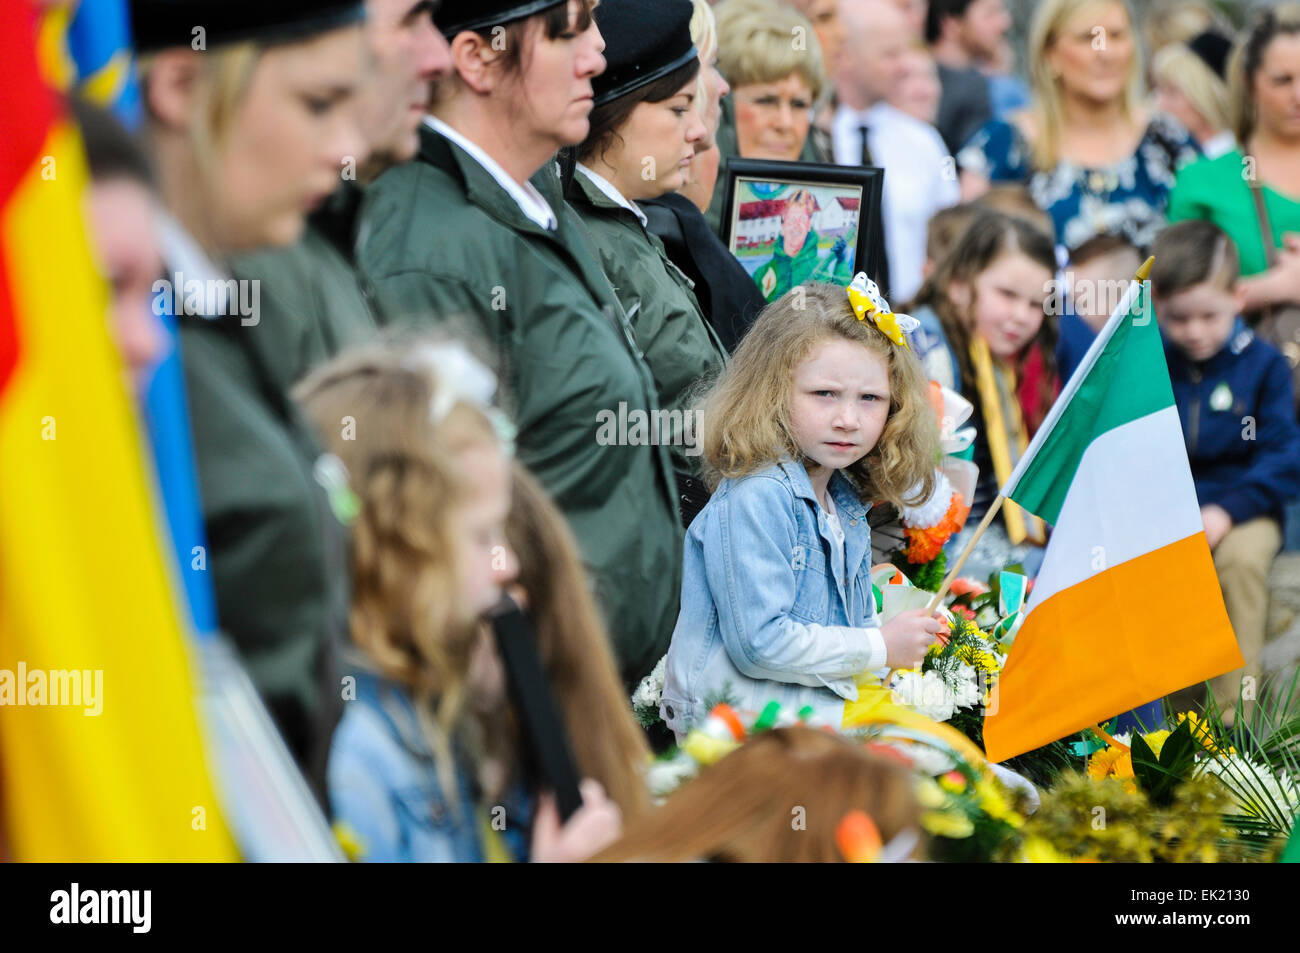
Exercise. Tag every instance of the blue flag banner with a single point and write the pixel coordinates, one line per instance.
(99, 43)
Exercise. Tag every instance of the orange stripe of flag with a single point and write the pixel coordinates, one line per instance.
(1121, 660)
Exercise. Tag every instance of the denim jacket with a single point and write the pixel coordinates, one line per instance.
(383, 785)
(772, 609)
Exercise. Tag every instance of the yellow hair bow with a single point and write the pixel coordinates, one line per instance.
(867, 300)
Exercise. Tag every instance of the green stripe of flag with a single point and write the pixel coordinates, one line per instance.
(1128, 380)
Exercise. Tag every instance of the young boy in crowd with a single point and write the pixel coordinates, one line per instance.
(1099, 271)
(1233, 393)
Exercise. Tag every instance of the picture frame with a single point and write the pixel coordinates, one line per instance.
(839, 207)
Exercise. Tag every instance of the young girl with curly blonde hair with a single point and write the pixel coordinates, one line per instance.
(819, 415)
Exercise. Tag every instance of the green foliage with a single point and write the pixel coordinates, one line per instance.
(1263, 772)
(726, 695)
(927, 576)
(1102, 821)
(646, 715)
(1159, 776)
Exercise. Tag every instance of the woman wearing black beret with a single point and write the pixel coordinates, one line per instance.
(476, 228)
(250, 119)
(727, 294)
(643, 134)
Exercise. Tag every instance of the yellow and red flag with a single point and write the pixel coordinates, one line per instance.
(100, 749)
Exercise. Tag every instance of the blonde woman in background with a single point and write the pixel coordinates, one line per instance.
(776, 82)
(1092, 155)
(1168, 22)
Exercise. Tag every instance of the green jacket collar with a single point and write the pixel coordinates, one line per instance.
(483, 190)
(587, 191)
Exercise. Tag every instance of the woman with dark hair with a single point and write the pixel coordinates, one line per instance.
(1223, 190)
(643, 133)
(727, 294)
(1251, 192)
(476, 227)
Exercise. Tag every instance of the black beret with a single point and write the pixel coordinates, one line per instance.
(453, 16)
(160, 24)
(644, 40)
(1213, 49)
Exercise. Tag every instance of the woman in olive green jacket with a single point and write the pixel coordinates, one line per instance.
(642, 140)
(476, 229)
(241, 156)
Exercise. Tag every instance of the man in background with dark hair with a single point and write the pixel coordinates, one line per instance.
(961, 34)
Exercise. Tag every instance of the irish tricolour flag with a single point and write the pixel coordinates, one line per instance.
(1126, 607)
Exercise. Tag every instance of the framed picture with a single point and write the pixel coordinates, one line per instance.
(792, 222)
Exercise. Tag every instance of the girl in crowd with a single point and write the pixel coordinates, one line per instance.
(1092, 156)
(988, 299)
(421, 767)
(476, 226)
(739, 810)
(644, 129)
(120, 209)
(819, 414)
(248, 134)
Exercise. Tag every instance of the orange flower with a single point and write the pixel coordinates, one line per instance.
(1113, 762)
(926, 542)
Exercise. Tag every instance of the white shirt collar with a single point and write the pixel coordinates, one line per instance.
(1219, 144)
(526, 196)
(613, 194)
(186, 261)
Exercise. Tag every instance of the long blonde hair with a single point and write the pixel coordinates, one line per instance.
(222, 81)
(741, 809)
(746, 417)
(1177, 65)
(1050, 17)
(704, 34)
(373, 407)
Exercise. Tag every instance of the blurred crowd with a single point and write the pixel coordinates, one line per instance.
(453, 241)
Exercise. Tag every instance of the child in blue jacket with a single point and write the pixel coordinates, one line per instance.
(1234, 396)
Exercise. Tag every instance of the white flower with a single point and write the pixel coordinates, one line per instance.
(1257, 790)
(926, 693)
(966, 690)
(647, 694)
